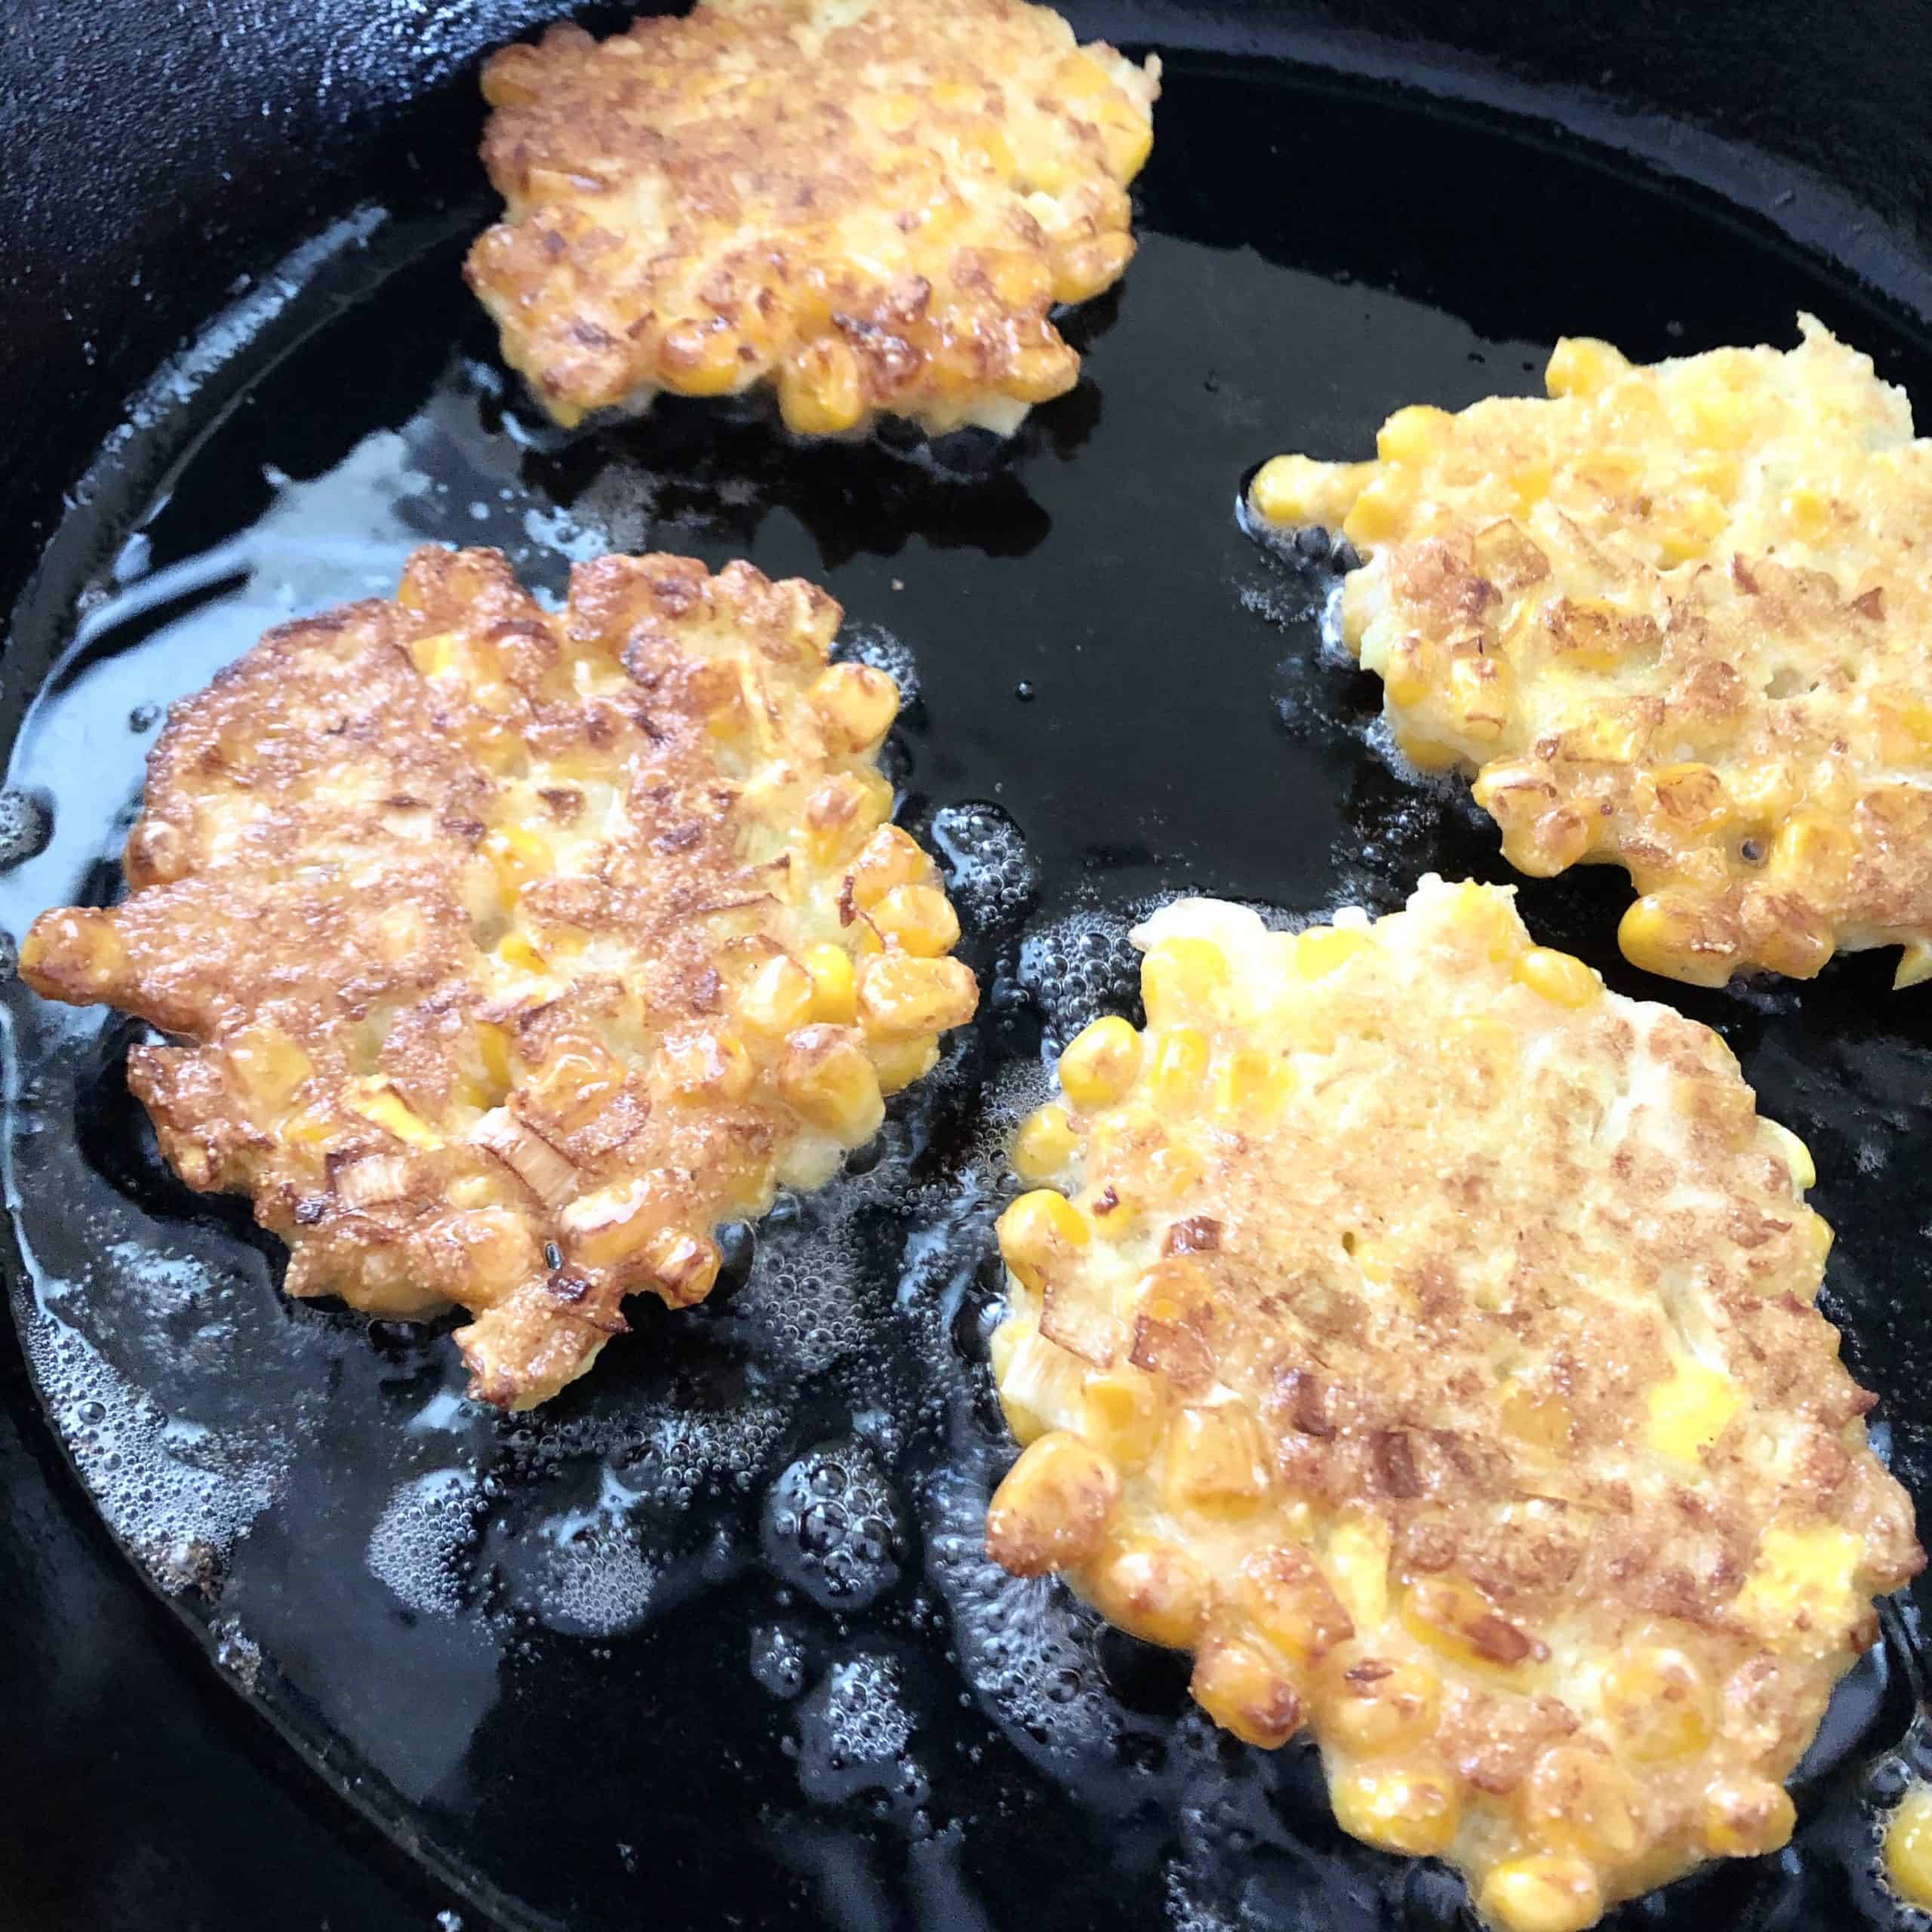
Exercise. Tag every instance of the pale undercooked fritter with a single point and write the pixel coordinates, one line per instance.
(1676, 618)
(509, 952)
(1426, 1340)
(873, 205)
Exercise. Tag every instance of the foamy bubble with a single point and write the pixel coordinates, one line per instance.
(853, 1733)
(833, 1527)
(1077, 968)
(778, 1660)
(989, 872)
(418, 1544)
(27, 823)
(584, 1574)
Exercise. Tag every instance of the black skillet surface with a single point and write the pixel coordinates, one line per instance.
(709, 1638)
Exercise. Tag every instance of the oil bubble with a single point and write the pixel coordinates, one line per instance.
(778, 1660)
(419, 1542)
(27, 823)
(1077, 968)
(833, 1528)
(853, 1730)
(989, 872)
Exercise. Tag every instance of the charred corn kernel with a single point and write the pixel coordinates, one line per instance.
(1181, 1055)
(1250, 1085)
(516, 951)
(1377, 1708)
(1293, 492)
(855, 703)
(379, 1104)
(1125, 1413)
(1216, 1461)
(1051, 1511)
(1536, 1416)
(821, 387)
(900, 997)
(1378, 512)
(1320, 950)
(1285, 1601)
(901, 1062)
(1408, 1807)
(1037, 1231)
(918, 919)
(1100, 1063)
(1558, 977)
(1745, 1817)
(1659, 1703)
(1689, 1409)
(1044, 1144)
(1413, 434)
(1909, 1846)
(1691, 796)
(683, 1266)
(780, 996)
(1541, 1895)
(1246, 1691)
(269, 1066)
(1581, 365)
(1455, 1621)
(1152, 1590)
(1357, 1558)
(825, 1075)
(834, 985)
(1183, 979)
(1576, 1800)
(891, 858)
(517, 855)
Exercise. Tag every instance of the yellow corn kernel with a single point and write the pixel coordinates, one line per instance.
(493, 1048)
(899, 1062)
(1792, 1152)
(379, 1102)
(1183, 979)
(1408, 1807)
(1479, 696)
(1659, 1703)
(1455, 1620)
(895, 112)
(1577, 1801)
(1288, 1603)
(1320, 950)
(891, 858)
(1250, 1085)
(1379, 512)
(1050, 1511)
(76, 949)
(855, 703)
(683, 1267)
(1247, 1692)
(516, 951)
(1745, 1817)
(699, 358)
(1357, 1556)
(1408, 671)
(1661, 936)
(269, 1066)
(1581, 365)
(1817, 1231)
(713, 1064)
(1180, 1064)
(1376, 1707)
(834, 985)
(1536, 1416)
(843, 811)
(778, 998)
(1293, 492)
(1044, 1144)
(825, 1075)
(1909, 1847)
(434, 654)
(1698, 519)
(1815, 853)
(1152, 1590)
(1801, 1589)
(918, 919)
(1541, 1895)
(901, 996)
(1691, 796)
(517, 855)
(1100, 1063)
(1690, 1410)
(1216, 1461)
(313, 1126)
(1125, 1413)
(821, 387)
(1038, 1234)
(1558, 977)
(1413, 434)
(1807, 512)
(609, 1225)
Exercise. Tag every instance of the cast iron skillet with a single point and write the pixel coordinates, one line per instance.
(711, 1637)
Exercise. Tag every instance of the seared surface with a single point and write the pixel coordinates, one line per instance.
(1677, 618)
(1429, 1343)
(871, 204)
(509, 952)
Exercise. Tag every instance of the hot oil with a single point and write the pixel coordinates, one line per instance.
(714, 1633)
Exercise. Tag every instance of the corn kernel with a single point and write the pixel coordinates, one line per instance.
(1152, 1590)
(1909, 1847)
(1183, 979)
(1914, 965)
(1251, 1084)
(1816, 853)
(1407, 671)
(779, 997)
(1125, 1413)
(1038, 1233)
(1412, 1808)
(1379, 512)
(1292, 492)
(519, 855)
(1216, 1461)
(1536, 1416)
(1051, 1511)
(1745, 1817)
(1044, 1144)
(1659, 1703)
(434, 654)
(714, 1063)
(825, 1075)
(1661, 936)
(1577, 1801)
(1581, 365)
(516, 951)
(901, 996)
(1455, 1620)
(1690, 1410)
(918, 919)
(605, 1226)
(1357, 1554)
(1246, 1692)
(1479, 696)
(379, 1104)
(1288, 1603)
(1691, 796)
(1802, 1586)
(1376, 1707)
(834, 985)
(1541, 1895)
(268, 1065)
(683, 1267)
(1808, 513)
(1180, 1064)
(1413, 434)
(891, 858)
(843, 811)
(855, 703)
(1100, 1063)
(821, 387)
(899, 1062)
